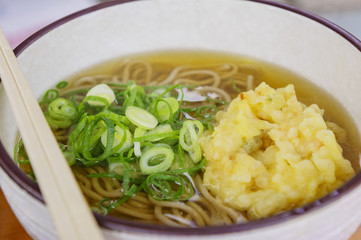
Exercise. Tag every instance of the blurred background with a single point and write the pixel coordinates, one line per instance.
(20, 18)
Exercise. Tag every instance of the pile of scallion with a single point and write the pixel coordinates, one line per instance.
(139, 134)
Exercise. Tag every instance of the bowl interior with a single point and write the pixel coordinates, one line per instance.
(263, 31)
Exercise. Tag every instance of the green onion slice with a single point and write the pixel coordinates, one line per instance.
(49, 96)
(137, 150)
(98, 131)
(156, 159)
(160, 131)
(141, 118)
(61, 84)
(94, 101)
(134, 95)
(166, 108)
(196, 153)
(102, 91)
(189, 135)
(70, 157)
(88, 132)
(158, 136)
(191, 170)
(55, 124)
(113, 116)
(139, 132)
(118, 138)
(62, 109)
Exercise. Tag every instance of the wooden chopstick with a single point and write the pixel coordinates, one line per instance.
(68, 207)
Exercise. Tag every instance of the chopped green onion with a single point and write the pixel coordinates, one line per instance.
(49, 96)
(116, 165)
(114, 117)
(72, 93)
(166, 108)
(196, 153)
(61, 113)
(188, 135)
(199, 127)
(134, 95)
(89, 160)
(162, 145)
(119, 129)
(105, 206)
(193, 169)
(62, 84)
(23, 161)
(156, 137)
(150, 145)
(156, 159)
(62, 109)
(102, 90)
(137, 150)
(188, 139)
(169, 186)
(139, 132)
(98, 131)
(118, 137)
(127, 195)
(55, 124)
(159, 131)
(70, 157)
(77, 131)
(164, 94)
(96, 102)
(141, 118)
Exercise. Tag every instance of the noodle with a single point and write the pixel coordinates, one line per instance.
(142, 75)
(234, 215)
(181, 206)
(164, 219)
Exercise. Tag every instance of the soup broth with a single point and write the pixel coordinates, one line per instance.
(230, 75)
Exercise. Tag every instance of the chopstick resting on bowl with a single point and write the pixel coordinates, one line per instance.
(68, 207)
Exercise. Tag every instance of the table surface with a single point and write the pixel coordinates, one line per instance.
(10, 228)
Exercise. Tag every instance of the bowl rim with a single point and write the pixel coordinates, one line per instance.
(114, 223)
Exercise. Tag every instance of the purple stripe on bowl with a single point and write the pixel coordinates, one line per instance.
(121, 224)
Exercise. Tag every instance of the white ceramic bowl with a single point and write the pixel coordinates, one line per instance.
(301, 42)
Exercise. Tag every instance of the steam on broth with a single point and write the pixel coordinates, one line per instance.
(207, 83)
